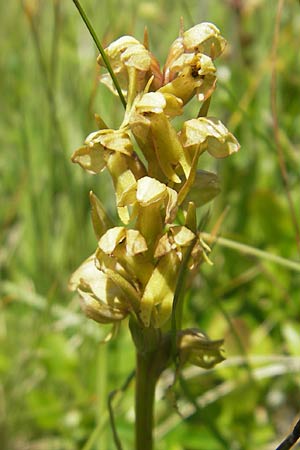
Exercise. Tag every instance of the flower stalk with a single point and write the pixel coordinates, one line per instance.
(146, 379)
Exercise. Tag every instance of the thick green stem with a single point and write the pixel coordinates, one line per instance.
(146, 378)
(153, 354)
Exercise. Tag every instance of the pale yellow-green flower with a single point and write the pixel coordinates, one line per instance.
(157, 137)
(99, 145)
(154, 204)
(127, 248)
(203, 38)
(195, 75)
(196, 348)
(130, 59)
(208, 133)
(101, 299)
(112, 149)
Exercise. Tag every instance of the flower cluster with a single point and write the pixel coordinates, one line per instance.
(154, 169)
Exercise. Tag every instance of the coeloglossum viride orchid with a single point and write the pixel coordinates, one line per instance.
(158, 187)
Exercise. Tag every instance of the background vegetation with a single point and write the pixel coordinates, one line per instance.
(55, 373)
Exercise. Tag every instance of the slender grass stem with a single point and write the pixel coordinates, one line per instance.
(91, 442)
(101, 49)
(252, 251)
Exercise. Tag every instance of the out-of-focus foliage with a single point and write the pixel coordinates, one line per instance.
(54, 373)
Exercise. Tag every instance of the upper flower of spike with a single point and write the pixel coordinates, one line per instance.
(203, 38)
(129, 58)
(188, 70)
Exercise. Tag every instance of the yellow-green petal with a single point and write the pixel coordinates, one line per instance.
(182, 236)
(208, 133)
(98, 311)
(111, 239)
(135, 243)
(149, 191)
(206, 38)
(90, 158)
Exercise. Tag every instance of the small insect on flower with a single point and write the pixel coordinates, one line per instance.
(195, 67)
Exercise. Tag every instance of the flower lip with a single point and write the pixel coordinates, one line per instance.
(150, 191)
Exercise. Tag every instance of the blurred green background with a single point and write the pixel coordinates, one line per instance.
(55, 373)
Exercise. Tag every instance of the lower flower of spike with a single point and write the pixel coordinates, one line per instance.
(196, 348)
(101, 299)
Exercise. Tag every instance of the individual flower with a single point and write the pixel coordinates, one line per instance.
(196, 348)
(112, 149)
(126, 249)
(189, 69)
(197, 136)
(203, 38)
(101, 299)
(208, 133)
(154, 205)
(130, 59)
(195, 75)
(157, 137)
